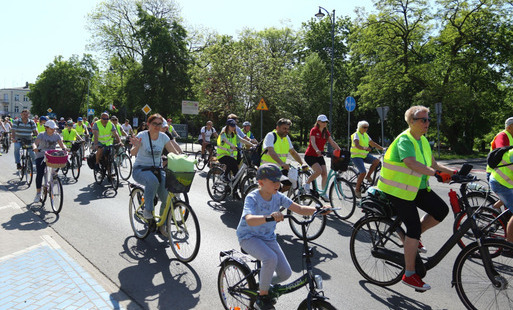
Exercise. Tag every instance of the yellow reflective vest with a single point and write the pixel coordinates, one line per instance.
(504, 175)
(105, 133)
(80, 129)
(69, 135)
(363, 139)
(396, 178)
(281, 147)
(224, 149)
(510, 138)
(40, 127)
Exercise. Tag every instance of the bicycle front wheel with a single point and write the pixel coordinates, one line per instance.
(200, 161)
(56, 194)
(99, 174)
(376, 234)
(483, 217)
(473, 285)
(29, 172)
(184, 231)
(75, 166)
(139, 224)
(316, 227)
(316, 304)
(236, 286)
(342, 196)
(125, 166)
(113, 176)
(217, 188)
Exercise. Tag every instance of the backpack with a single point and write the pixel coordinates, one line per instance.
(495, 157)
(256, 157)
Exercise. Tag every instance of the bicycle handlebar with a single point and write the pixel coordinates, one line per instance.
(458, 178)
(320, 210)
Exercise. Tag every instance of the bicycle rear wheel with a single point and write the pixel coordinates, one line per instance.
(139, 224)
(316, 227)
(253, 187)
(315, 304)
(376, 234)
(342, 196)
(201, 161)
(56, 194)
(217, 188)
(351, 175)
(184, 231)
(474, 287)
(99, 174)
(236, 286)
(28, 174)
(75, 166)
(125, 166)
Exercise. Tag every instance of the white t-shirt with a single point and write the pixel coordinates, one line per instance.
(7, 127)
(207, 133)
(269, 141)
(144, 157)
(355, 138)
(126, 128)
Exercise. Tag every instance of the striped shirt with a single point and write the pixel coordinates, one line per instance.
(22, 130)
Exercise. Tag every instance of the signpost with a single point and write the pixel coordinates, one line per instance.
(190, 107)
(382, 112)
(350, 104)
(262, 106)
(146, 109)
(438, 110)
(90, 112)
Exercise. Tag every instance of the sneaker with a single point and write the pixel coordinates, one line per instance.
(147, 214)
(37, 199)
(358, 194)
(18, 166)
(369, 179)
(264, 302)
(421, 249)
(325, 198)
(416, 282)
(306, 187)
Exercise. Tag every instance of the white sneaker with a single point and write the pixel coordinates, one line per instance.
(37, 198)
(147, 214)
(306, 187)
(325, 198)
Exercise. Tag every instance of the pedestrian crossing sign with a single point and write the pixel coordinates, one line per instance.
(262, 106)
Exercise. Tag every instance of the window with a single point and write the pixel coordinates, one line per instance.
(16, 109)
(6, 97)
(6, 109)
(25, 98)
(16, 97)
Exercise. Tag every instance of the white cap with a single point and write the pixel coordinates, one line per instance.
(322, 118)
(165, 124)
(51, 124)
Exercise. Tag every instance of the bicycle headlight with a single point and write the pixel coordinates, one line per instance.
(318, 281)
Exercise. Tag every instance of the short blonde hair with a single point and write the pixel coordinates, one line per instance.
(361, 124)
(413, 111)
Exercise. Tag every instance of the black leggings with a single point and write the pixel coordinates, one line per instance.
(231, 165)
(427, 201)
(40, 171)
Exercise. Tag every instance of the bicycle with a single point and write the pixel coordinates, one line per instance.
(217, 186)
(203, 160)
(74, 161)
(107, 168)
(351, 175)
(52, 185)
(177, 220)
(123, 162)
(480, 272)
(27, 169)
(6, 142)
(238, 288)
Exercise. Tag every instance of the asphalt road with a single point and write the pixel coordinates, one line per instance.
(94, 220)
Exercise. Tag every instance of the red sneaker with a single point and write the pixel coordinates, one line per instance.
(421, 249)
(416, 282)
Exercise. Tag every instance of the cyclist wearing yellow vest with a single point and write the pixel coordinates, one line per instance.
(407, 165)
(69, 135)
(227, 148)
(121, 132)
(104, 134)
(246, 129)
(81, 128)
(501, 182)
(172, 131)
(41, 124)
(361, 145)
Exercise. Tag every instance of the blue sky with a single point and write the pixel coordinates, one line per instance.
(35, 31)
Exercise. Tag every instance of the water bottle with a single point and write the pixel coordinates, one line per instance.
(455, 204)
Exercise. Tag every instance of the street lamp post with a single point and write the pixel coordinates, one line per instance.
(320, 15)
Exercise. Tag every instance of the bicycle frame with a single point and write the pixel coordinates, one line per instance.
(324, 191)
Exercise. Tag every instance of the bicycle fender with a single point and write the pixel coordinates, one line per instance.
(230, 257)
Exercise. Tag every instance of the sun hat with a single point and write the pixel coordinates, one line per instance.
(51, 124)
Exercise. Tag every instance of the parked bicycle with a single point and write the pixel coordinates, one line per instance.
(26, 173)
(237, 282)
(481, 272)
(52, 185)
(107, 168)
(203, 160)
(176, 219)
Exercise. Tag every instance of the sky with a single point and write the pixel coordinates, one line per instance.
(34, 32)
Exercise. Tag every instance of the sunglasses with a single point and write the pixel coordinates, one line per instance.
(157, 124)
(423, 119)
(105, 119)
(366, 127)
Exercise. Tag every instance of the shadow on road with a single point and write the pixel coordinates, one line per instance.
(392, 299)
(94, 192)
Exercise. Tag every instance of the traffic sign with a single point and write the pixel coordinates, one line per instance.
(49, 110)
(90, 112)
(382, 112)
(146, 109)
(190, 107)
(350, 104)
(262, 106)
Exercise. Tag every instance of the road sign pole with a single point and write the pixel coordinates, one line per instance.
(348, 130)
(261, 125)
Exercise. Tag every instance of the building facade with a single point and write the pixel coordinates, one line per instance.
(14, 100)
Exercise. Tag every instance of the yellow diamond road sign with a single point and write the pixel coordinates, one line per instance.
(146, 109)
(262, 106)
(49, 110)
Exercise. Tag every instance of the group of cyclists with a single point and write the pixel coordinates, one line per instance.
(407, 165)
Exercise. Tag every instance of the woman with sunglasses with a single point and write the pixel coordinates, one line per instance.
(319, 135)
(361, 145)
(227, 148)
(148, 162)
(407, 166)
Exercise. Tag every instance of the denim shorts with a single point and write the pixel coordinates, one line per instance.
(358, 162)
(505, 194)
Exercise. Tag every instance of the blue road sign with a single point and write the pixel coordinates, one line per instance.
(90, 112)
(350, 104)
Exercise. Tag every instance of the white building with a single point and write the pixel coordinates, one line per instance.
(14, 100)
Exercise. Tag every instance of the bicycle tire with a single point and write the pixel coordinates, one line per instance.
(342, 196)
(472, 284)
(200, 161)
(373, 233)
(21, 172)
(316, 227)
(247, 181)
(351, 175)
(125, 166)
(244, 295)
(216, 187)
(184, 231)
(253, 187)
(99, 175)
(29, 171)
(56, 194)
(483, 217)
(75, 166)
(316, 304)
(113, 175)
(139, 224)
(65, 169)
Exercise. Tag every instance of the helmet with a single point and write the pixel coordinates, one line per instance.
(246, 123)
(79, 119)
(43, 118)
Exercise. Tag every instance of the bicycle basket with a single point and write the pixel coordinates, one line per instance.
(179, 182)
(56, 158)
(340, 162)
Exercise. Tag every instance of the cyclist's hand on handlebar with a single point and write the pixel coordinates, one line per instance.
(278, 216)
(442, 177)
(285, 166)
(327, 209)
